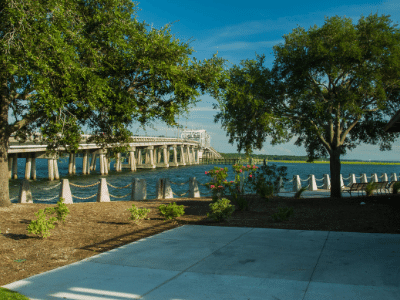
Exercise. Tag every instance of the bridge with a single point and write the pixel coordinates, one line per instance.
(143, 153)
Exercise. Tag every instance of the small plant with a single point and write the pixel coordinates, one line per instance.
(396, 187)
(299, 192)
(171, 211)
(138, 214)
(369, 189)
(238, 199)
(61, 210)
(221, 210)
(283, 214)
(42, 225)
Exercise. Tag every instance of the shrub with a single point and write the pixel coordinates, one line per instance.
(221, 210)
(42, 225)
(369, 189)
(61, 210)
(396, 187)
(282, 214)
(299, 192)
(238, 199)
(138, 214)
(171, 211)
(266, 180)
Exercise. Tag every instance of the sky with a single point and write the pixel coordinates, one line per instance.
(237, 30)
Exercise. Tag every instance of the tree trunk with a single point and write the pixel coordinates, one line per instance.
(4, 136)
(336, 190)
(4, 194)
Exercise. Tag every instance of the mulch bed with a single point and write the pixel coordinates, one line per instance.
(92, 228)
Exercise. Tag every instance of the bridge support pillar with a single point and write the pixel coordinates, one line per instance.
(139, 157)
(71, 164)
(197, 160)
(182, 156)
(85, 162)
(163, 151)
(55, 168)
(28, 165)
(149, 159)
(118, 164)
(175, 157)
(93, 162)
(33, 167)
(102, 163)
(132, 160)
(50, 168)
(15, 167)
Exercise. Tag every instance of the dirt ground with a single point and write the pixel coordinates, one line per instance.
(92, 228)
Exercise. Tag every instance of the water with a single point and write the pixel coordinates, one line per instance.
(41, 188)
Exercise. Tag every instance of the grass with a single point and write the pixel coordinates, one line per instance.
(6, 294)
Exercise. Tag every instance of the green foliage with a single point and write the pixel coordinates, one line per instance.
(297, 195)
(283, 214)
(369, 189)
(238, 199)
(396, 187)
(138, 214)
(333, 87)
(61, 210)
(171, 211)
(268, 180)
(221, 210)
(70, 65)
(218, 182)
(42, 225)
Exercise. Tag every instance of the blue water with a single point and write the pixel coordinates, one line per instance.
(178, 175)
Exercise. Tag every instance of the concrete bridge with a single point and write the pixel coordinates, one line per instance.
(143, 152)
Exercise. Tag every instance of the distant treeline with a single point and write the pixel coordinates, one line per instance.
(298, 158)
(268, 157)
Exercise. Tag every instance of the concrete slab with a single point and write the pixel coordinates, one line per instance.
(255, 261)
(174, 255)
(87, 280)
(211, 234)
(225, 287)
(210, 262)
(329, 291)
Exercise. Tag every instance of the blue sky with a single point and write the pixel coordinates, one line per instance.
(238, 30)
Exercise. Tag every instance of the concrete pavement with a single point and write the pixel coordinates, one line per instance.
(208, 262)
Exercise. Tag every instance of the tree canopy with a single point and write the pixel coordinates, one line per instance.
(332, 87)
(68, 65)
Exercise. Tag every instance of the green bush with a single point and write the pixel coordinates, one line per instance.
(396, 187)
(299, 192)
(138, 214)
(61, 210)
(171, 211)
(283, 214)
(221, 210)
(369, 189)
(42, 225)
(238, 199)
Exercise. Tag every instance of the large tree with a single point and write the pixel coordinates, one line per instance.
(332, 87)
(69, 65)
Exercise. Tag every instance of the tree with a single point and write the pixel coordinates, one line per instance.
(332, 87)
(68, 65)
